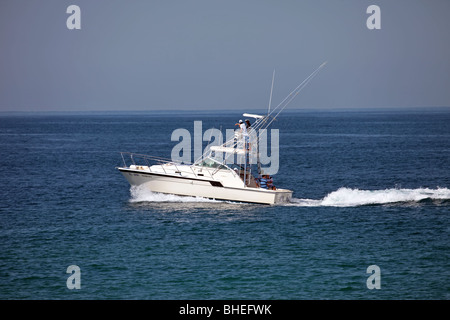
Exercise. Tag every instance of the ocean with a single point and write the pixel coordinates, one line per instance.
(371, 188)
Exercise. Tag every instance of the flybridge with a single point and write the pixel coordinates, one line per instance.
(190, 148)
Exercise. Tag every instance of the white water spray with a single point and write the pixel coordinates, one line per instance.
(143, 194)
(346, 197)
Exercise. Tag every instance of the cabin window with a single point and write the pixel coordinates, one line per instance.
(210, 163)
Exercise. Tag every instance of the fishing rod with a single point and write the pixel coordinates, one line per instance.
(271, 91)
(291, 96)
(261, 121)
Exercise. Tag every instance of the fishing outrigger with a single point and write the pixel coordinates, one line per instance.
(216, 174)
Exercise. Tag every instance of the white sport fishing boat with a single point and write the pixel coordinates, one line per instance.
(212, 176)
(209, 177)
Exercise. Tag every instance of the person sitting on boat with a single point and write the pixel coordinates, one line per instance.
(270, 185)
(263, 182)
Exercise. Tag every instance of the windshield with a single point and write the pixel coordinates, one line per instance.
(210, 163)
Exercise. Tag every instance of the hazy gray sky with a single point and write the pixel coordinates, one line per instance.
(220, 54)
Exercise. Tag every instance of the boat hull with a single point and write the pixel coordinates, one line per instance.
(186, 186)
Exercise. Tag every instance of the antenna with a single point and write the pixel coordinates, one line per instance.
(271, 90)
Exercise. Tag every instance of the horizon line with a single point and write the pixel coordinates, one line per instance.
(324, 109)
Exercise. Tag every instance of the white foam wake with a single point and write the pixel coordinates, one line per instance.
(347, 197)
(143, 194)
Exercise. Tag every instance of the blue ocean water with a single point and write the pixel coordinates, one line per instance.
(370, 188)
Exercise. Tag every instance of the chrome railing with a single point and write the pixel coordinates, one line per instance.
(147, 161)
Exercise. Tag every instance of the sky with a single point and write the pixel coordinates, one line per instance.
(220, 54)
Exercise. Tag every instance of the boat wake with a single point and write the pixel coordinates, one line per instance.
(347, 197)
(143, 194)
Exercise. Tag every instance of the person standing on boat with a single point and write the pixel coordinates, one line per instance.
(244, 133)
(248, 126)
(243, 127)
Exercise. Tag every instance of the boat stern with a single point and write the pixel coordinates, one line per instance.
(282, 196)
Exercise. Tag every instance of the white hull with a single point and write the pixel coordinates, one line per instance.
(203, 187)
